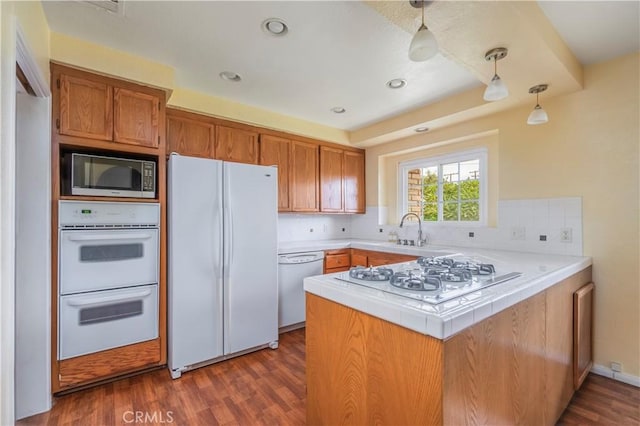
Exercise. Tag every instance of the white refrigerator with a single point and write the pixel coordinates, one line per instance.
(222, 260)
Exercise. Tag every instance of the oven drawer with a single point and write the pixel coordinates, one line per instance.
(98, 260)
(101, 320)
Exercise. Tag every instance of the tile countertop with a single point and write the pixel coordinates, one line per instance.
(540, 271)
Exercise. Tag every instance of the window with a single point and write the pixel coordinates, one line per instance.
(446, 189)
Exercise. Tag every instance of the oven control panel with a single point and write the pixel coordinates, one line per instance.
(73, 214)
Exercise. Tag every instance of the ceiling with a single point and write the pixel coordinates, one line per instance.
(342, 53)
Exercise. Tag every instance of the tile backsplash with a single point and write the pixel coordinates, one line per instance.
(299, 227)
(546, 225)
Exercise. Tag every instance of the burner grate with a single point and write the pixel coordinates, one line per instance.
(370, 274)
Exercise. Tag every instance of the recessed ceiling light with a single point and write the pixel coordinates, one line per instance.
(338, 110)
(230, 76)
(396, 83)
(421, 129)
(275, 26)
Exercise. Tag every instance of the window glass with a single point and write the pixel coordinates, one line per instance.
(445, 189)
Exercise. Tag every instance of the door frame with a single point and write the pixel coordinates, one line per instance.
(14, 49)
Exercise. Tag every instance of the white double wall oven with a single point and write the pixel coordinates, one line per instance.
(108, 275)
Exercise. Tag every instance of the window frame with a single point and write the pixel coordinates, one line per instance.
(480, 154)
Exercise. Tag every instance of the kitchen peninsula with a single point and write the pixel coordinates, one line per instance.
(501, 355)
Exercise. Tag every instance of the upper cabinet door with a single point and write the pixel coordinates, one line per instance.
(304, 177)
(185, 136)
(354, 183)
(86, 108)
(135, 118)
(331, 170)
(236, 145)
(275, 151)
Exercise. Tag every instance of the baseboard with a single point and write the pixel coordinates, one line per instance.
(601, 370)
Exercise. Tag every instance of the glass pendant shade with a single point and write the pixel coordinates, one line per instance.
(496, 89)
(423, 45)
(538, 116)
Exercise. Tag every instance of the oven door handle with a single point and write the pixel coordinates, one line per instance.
(106, 237)
(107, 299)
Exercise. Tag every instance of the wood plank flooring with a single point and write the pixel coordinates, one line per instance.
(268, 388)
(262, 388)
(603, 401)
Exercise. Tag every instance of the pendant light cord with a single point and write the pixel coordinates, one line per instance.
(422, 8)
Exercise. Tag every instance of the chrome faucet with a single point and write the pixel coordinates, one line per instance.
(421, 242)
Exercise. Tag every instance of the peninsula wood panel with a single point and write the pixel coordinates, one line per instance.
(495, 369)
(135, 119)
(276, 151)
(331, 179)
(354, 182)
(86, 108)
(378, 258)
(100, 365)
(559, 343)
(360, 370)
(582, 333)
(189, 136)
(236, 145)
(304, 176)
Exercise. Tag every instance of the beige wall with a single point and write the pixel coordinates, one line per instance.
(589, 149)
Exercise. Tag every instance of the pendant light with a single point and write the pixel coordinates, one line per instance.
(496, 89)
(423, 44)
(538, 115)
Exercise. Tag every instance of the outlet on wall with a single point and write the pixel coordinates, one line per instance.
(518, 233)
(616, 366)
(566, 235)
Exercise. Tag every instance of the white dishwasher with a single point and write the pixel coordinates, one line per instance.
(292, 269)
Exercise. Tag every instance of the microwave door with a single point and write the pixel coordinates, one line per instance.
(94, 175)
(119, 178)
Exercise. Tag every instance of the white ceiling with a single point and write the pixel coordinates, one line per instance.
(596, 31)
(336, 53)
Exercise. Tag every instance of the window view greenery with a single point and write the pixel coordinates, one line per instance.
(447, 192)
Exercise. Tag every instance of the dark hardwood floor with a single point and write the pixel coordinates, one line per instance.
(268, 388)
(603, 401)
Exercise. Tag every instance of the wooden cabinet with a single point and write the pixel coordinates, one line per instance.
(100, 114)
(189, 134)
(236, 145)
(378, 258)
(337, 260)
(331, 179)
(96, 107)
(354, 182)
(341, 180)
(276, 151)
(135, 118)
(86, 108)
(304, 176)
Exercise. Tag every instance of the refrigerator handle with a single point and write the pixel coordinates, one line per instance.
(217, 247)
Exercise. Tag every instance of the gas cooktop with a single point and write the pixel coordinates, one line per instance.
(430, 279)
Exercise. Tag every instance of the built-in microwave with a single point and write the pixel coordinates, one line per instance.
(98, 175)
